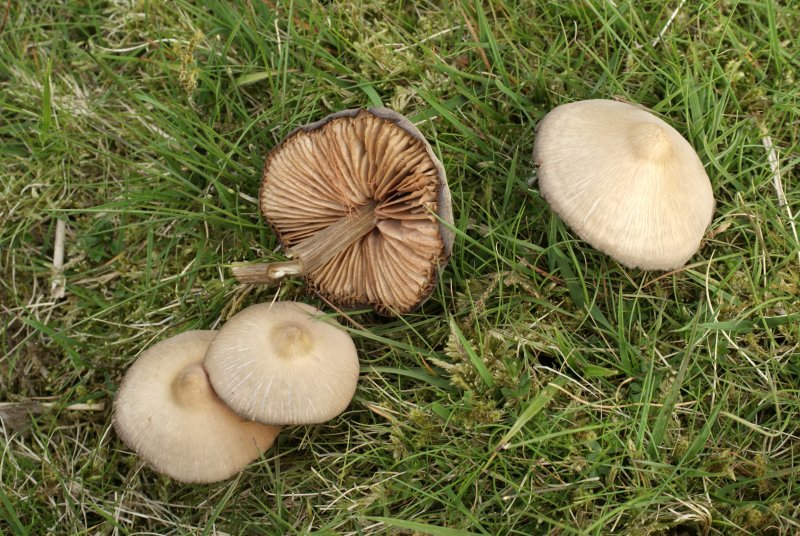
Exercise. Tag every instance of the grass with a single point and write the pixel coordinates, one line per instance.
(543, 389)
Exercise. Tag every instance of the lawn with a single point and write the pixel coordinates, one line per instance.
(542, 389)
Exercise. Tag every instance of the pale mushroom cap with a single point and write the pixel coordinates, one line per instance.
(625, 181)
(167, 411)
(323, 171)
(283, 363)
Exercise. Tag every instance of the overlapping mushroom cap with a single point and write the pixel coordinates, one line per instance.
(357, 200)
(167, 412)
(625, 181)
(283, 363)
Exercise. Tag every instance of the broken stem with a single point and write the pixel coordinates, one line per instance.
(314, 252)
(261, 273)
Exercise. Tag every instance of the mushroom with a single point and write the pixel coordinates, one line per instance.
(625, 181)
(283, 363)
(362, 205)
(167, 412)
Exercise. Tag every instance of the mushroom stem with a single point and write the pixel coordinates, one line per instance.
(312, 253)
(261, 273)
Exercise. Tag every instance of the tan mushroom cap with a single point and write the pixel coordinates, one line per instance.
(625, 181)
(357, 198)
(167, 412)
(283, 363)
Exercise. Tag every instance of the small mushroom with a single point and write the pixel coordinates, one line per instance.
(283, 363)
(625, 181)
(167, 412)
(358, 199)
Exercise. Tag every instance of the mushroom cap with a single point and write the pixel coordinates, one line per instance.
(167, 412)
(323, 171)
(625, 181)
(283, 363)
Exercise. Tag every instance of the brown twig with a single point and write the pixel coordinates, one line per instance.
(476, 39)
(5, 16)
(342, 313)
(541, 272)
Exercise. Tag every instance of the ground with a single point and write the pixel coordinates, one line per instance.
(543, 389)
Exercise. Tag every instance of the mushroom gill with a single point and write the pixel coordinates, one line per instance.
(357, 199)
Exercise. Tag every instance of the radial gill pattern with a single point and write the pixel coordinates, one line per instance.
(324, 172)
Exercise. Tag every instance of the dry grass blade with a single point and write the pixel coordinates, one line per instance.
(777, 182)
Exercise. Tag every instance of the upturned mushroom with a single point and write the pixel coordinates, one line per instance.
(283, 363)
(168, 413)
(361, 204)
(625, 181)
